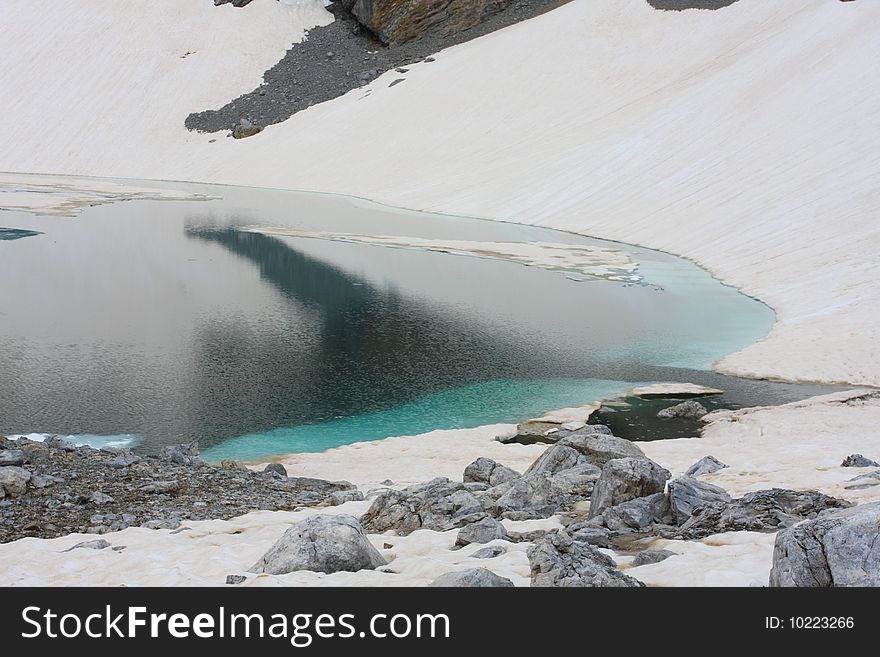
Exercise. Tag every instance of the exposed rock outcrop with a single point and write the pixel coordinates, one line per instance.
(836, 549)
(473, 577)
(761, 511)
(398, 21)
(439, 504)
(558, 560)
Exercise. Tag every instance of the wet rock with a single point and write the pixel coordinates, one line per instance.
(321, 543)
(11, 457)
(558, 560)
(599, 448)
(184, 454)
(705, 465)
(489, 552)
(482, 531)
(858, 461)
(276, 468)
(760, 511)
(626, 479)
(841, 548)
(687, 494)
(439, 504)
(652, 556)
(689, 409)
(473, 577)
(532, 432)
(638, 514)
(485, 470)
(13, 481)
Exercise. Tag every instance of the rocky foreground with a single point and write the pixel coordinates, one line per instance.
(53, 488)
(608, 497)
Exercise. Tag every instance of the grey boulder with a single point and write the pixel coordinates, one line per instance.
(705, 465)
(687, 494)
(439, 504)
(689, 409)
(529, 497)
(638, 514)
(489, 552)
(483, 531)
(626, 479)
(184, 454)
(599, 448)
(473, 577)
(486, 471)
(555, 459)
(321, 543)
(11, 457)
(558, 560)
(13, 481)
(275, 468)
(858, 461)
(652, 556)
(841, 548)
(342, 496)
(760, 511)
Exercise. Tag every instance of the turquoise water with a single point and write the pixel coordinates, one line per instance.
(164, 322)
(16, 233)
(491, 402)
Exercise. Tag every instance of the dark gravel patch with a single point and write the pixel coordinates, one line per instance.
(80, 489)
(337, 58)
(681, 5)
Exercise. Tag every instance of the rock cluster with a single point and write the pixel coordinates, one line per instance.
(560, 560)
(53, 488)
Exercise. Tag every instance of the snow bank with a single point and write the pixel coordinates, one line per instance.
(743, 138)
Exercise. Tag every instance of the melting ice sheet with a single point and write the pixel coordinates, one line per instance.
(586, 259)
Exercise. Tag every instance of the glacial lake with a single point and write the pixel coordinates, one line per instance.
(263, 322)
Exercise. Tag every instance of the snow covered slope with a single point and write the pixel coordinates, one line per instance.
(747, 138)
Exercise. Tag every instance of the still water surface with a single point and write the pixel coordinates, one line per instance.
(164, 321)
